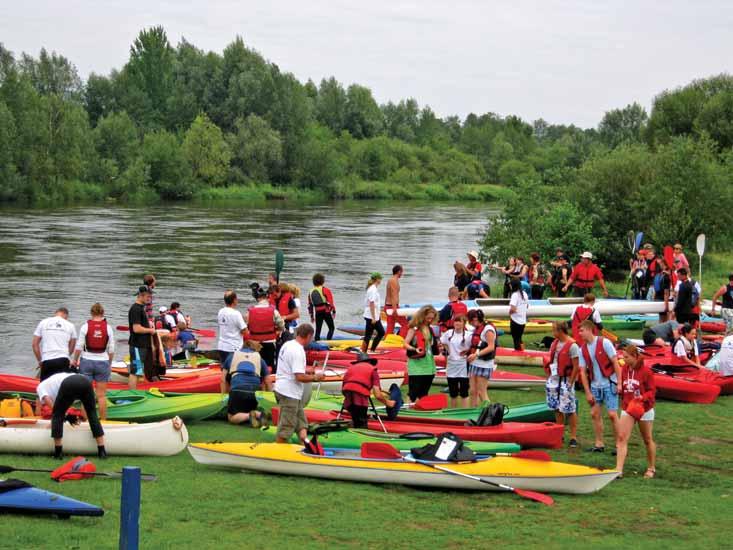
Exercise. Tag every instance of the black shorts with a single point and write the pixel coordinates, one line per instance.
(267, 353)
(241, 402)
(458, 386)
(419, 386)
(55, 366)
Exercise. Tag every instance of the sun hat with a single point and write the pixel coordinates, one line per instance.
(473, 253)
(587, 254)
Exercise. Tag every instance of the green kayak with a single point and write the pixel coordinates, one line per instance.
(532, 412)
(153, 406)
(352, 439)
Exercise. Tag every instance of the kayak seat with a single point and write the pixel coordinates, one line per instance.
(330, 426)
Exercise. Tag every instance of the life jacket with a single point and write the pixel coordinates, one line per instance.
(584, 275)
(477, 267)
(517, 270)
(659, 282)
(563, 360)
(478, 343)
(474, 288)
(282, 303)
(246, 371)
(728, 297)
(161, 321)
(536, 274)
(97, 336)
(557, 277)
(418, 342)
(318, 299)
(580, 314)
(601, 358)
(76, 468)
(689, 346)
(261, 324)
(358, 378)
(458, 308)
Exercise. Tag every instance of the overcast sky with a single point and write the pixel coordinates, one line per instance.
(564, 61)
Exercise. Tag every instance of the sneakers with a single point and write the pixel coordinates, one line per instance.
(595, 449)
(573, 443)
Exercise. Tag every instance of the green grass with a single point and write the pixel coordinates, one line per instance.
(192, 506)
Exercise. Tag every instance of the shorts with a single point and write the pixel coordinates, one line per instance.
(225, 359)
(138, 358)
(292, 417)
(458, 386)
(55, 366)
(358, 415)
(560, 396)
(647, 417)
(727, 316)
(604, 396)
(419, 385)
(241, 402)
(99, 371)
(267, 353)
(482, 372)
(649, 336)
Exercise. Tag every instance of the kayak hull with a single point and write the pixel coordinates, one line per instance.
(34, 501)
(525, 474)
(198, 383)
(500, 379)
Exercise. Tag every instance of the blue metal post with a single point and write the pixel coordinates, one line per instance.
(130, 509)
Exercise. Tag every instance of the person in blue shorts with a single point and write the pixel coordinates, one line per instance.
(599, 373)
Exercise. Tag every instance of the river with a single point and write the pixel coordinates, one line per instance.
(74, 257)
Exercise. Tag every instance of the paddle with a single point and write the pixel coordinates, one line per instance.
(279, 263)
(637, 241)
(700, 252)
(432, 402)
(8, 469)
(381, 450)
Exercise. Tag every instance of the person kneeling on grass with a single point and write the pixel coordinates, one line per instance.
(637, 392)
(247, 373)
(599, 373)
(361, 381)
(456, 345)
(563, 371)
(289, 385)
(58, 393)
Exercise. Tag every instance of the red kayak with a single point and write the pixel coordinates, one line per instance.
(713, 326)
(681, 387)
(205, 383)
(546, 434)
(500, 379)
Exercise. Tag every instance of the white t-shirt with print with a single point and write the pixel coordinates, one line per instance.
(290, 361)
(55, 333)
(457, 343)
(231, 324)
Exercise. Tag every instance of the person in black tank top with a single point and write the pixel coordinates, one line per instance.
(725, 294)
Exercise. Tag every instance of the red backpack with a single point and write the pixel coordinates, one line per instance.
(97, 336)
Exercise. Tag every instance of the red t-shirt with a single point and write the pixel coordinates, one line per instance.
(351, 397)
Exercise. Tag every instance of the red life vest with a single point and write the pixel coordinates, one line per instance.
(76, 468)
(477, 267)
(282, 303)
(418, 342)
(97, 336)
(562, 359)
(261, 323)
(580, 314)
(358, 378)
(458, 308)
(477, 343)
(601, 358)
(585, 276)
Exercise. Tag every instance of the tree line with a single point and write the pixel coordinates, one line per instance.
(174, 122)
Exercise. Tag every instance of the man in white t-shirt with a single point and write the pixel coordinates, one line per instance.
(725, 357)
(231, 333)
(291, 377)
(53, 343)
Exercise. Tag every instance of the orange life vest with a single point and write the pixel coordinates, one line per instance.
(261, 323)
(601, 358)
(563, 360)
(358, 378)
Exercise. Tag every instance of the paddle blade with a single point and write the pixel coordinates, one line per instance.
(637, 241)
(700, 244)
(630, 239)
(122, 328)
(279, 262)
(532, 455)
(537, 497)
(379, 450)
(432, 402)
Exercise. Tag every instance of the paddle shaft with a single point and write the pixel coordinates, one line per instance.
(8, 469)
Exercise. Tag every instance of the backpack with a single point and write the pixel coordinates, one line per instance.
(317, 298)
(695, 293)
(447, 448)
(658, 279)
(490, 415)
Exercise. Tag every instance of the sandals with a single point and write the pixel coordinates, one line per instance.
(650, 473)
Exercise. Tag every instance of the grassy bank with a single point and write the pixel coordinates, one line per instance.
(191, 506)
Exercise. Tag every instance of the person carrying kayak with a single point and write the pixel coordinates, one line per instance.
(562, 372)
(584, 276)
(289, 385)
(456, 343)
(53, 343)
(56, 394)
(537, 276)
(450, 311)
(518, 306)
(421, 347)
(321, 306)
(286, 304)
(392, 302)
(141, 332)
(599, 374)
(473, 266)
(662, 287)
(481, 357)
(584, 311)
(687, 298)
(360, 383)
(685, 347)
(561, 274)
(372, 311)
(232, 328)
(726, 309)
(246, 374)
(637, 392)
(264, 324)
(94, 352)
(662, 334)
(462, 278)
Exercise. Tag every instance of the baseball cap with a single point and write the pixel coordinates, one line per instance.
(144, 289)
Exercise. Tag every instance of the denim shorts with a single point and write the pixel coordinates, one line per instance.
(483, 372)
(604, 396)
(99, 371)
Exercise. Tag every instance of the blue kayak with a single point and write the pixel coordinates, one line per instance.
(18, 497)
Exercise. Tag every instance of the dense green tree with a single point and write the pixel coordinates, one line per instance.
(52, 75)
(316, 160)
(207, 151)
(330, 107)
(167, 166)
(117, 142)
(257, 150)
(623, 126)
(363, 118)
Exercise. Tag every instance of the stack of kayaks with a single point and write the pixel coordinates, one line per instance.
(196, 383)
(28, 436)
(499, 379)
(18, 497)
(348, 465)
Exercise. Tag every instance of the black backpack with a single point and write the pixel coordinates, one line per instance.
(460, 452)
(490, 415)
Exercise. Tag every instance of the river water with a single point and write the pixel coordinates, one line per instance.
(77, 256)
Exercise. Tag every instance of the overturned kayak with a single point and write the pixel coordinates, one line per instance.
(28, 436)
(348, 465)
(19, 497)
(196, 383)
(353, 439)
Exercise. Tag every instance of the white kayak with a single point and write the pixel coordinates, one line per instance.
(29, 436)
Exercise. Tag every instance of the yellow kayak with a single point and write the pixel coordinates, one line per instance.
(348, 465)
(389, 341)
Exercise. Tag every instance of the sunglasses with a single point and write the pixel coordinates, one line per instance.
(678, 248)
